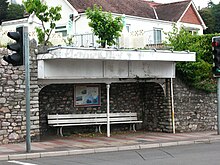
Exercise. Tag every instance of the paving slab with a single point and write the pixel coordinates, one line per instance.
(60, 146)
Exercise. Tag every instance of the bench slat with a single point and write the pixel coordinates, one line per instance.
(75, 116)
(62, 121)
(76, 121)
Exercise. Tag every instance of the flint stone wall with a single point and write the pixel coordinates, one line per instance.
(194, 110)
(147, 99)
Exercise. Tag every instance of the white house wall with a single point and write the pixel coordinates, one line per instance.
(66, 10)
(193, 26)
(143, 27)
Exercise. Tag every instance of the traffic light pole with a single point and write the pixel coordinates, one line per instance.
(218, 95)
(27, 91)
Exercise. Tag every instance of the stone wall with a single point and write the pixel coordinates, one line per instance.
(12, 100)
(147, 99)
(158, 107)
(194, 110)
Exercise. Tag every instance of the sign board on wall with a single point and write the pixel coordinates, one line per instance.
(87, 95)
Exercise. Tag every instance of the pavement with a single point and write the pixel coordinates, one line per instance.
(94, 143)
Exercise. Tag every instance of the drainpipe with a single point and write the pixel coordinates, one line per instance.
(172, 105)
(75, 19)
(108, 110)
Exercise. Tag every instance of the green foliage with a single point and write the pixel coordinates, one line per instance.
(69, 41)
(103, 24)
(196, 74)
(209, 20)
(211, 15)
(15, 11)
(10, 11)
(45, 15)
(3, 10)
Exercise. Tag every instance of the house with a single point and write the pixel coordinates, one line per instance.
(145, 21)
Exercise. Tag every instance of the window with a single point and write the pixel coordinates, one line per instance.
(157, 36)
(62, 30)
(193, 32)
(128, 27)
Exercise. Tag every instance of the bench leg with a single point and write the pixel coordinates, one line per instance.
(134, 128)
(100, 131)
(96, 129)
(58, 130)
(61, 131)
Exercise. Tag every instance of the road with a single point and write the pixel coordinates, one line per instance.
(196, 154)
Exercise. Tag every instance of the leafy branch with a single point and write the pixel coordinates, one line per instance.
(45, 15)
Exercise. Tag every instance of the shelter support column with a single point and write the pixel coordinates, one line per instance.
(108, 110)
(172, 106)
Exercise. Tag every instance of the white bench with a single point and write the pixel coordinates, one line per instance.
(64, 120)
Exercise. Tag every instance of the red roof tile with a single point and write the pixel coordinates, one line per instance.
(128, 7)
(140, 8)
(171, 11)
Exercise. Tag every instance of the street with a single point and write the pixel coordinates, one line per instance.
(197, 154)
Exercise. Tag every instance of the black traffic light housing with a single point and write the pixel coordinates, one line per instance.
(17, 58)
(216, 56)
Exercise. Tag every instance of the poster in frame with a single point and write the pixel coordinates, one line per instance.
(87, 95)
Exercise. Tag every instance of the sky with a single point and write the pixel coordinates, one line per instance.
(201, 3)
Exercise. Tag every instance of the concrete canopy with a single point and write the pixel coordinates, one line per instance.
(93, 65)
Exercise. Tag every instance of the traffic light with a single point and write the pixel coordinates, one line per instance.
(216, 55)
(16, 59)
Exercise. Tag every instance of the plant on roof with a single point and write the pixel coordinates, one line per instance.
(47, 15)
(107, 28)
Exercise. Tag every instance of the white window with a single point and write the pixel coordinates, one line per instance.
(157, 36)
(128, 27)
(62, 30)
(193, 32)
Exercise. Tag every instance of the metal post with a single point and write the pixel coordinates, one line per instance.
(108, 109)
(82, 45)
(218, 108)
(172, 105)
(27, 88)
(93, 40)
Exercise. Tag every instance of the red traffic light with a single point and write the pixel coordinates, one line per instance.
(215, 44)
(216, 41)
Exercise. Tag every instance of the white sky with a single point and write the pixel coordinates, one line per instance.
(201, 3)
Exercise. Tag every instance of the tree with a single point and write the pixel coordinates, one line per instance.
(103, 25)
(15, 11)
(216, 13)
(211, 15)
(3, 10)
(209, 20)
(45, 15)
